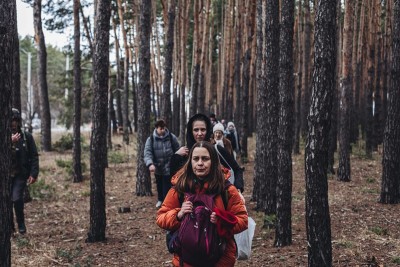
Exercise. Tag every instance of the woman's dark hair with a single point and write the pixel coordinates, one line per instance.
(160, 123)
(215, 178)
(190, 141)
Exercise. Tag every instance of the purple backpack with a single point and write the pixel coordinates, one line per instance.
(197, 241)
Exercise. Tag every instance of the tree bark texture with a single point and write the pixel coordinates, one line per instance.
(259, 162)
(298, 107)
(272, 108)
(317, 206)
(143, 182)
(306, 66)
(333, 132)
(125, 100)
(98, 142)
(77, 95)
(169, 48)
(378, 126)
(283, 230)
(195, 70)
(369, 90)
(238, 66)
(344, 171)
(42, 77)
(8, 48)
(246, 74)
(16, 92)
(390, 187)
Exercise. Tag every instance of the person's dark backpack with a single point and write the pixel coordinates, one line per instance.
(197, 241)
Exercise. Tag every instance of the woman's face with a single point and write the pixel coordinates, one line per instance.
(199, 130)
(218, 135)
(201, 162)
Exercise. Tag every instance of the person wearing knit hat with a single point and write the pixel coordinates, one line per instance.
(220, 139)
(233, 136)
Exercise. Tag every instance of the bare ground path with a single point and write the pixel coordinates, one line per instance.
(364, 232)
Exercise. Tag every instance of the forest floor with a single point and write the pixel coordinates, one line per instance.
(364, 232)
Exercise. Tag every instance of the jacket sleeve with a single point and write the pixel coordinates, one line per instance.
(166, 215)
(239, 181)
(238, 208)
(176, 163)
(33, 157)
(148, 153)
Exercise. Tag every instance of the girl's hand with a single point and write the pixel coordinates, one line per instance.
(183, 151)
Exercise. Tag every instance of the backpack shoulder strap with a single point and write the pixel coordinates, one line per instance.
(219, 153)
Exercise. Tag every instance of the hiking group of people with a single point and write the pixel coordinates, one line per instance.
(199, 189)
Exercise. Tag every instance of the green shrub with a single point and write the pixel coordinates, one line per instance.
(116, 157)
(379, 230)
(371, 180)
(68, 166)
(269, 221)
(41, 190)
(22, 242)
(396, 260)
(69, 255)
(66, 142)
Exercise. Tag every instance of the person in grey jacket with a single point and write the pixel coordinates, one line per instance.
(159, 148)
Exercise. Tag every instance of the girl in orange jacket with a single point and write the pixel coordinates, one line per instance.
(202, 174)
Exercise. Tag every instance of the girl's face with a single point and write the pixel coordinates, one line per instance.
(201, 162)
(199, 130)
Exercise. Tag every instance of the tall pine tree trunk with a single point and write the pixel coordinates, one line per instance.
(8, 48)
(369, 125)
(166, 112)
(125, 100)
(390, 188)
(283, 233)
(98, 142)
(344, 173)
(42, 77)
(317, 206)
(272, 111)
(77, 95)
(143, 182)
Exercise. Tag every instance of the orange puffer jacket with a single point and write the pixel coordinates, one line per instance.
(166, 219)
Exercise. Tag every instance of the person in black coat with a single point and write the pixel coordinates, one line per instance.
(199, 128)
(24, 167)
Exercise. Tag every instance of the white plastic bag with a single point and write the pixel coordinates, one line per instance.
(244, 240)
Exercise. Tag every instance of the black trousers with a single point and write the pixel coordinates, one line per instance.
(17, 197)
(163, 186)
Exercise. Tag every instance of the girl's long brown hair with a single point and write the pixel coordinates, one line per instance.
(215, 178)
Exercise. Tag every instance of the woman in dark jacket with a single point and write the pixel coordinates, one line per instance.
(199, 128)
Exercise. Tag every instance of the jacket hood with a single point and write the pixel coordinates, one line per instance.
(161, 137)
(190, 141)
